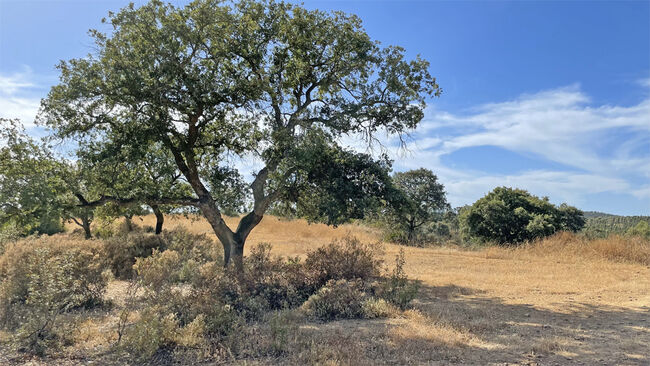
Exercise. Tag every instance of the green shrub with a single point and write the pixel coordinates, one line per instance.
(150, 333)
(513, 216)
(122, 251)
(397, 289)
(41, 278)
(377, 308)
(346, 259)
(193, 249)
(641, 229)
(277, 282)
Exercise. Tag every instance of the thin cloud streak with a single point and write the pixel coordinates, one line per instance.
(606, 149)
(17, 97)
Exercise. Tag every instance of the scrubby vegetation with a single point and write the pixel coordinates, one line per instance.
(42, 278)
(181, 305)
(181, 298)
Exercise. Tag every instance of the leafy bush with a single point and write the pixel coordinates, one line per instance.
(156, 330)
(397, 289)
(346, 259)
(193, 249)
(40, 278)
(512, 216)
(122, 251)
(641, 229)
(215, 303)
(377, 308)
(338, 299)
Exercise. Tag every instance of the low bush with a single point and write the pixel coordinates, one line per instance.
(157, 330)
(122, 251)
(41, 278)
(397, 289)
(193, 249)
(346, 259)
(187, 291)
(338, 299)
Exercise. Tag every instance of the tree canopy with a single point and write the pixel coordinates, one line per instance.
(30, 183)
(420, 199)
(511, 216)
(215, 83)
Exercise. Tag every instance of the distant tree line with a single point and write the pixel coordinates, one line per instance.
(600, 226)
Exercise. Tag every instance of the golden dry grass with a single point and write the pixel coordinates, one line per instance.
(562, 300)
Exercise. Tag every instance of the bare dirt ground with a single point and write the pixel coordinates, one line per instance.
(492, 306)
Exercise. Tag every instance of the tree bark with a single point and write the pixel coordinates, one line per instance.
(85, 224)
(129, 224)
(160, 218)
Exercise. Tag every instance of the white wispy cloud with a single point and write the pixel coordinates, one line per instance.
(644, 82)
(19, 96)
(604, 148)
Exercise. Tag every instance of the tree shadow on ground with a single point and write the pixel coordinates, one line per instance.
(462, 325)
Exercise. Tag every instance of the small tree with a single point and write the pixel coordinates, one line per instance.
(80, 188)
(30, 188)
(511, 216)
(267, 80)
(131, 177)
(420, 200)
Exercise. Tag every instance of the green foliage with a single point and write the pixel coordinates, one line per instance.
(122, 251)
(347, 259)
(156, 330)
(330, 184)
(603, 225)
(8, 233)
(641, 229)
(418, 202)
(201, 84)
(512, 216)
(397, 289)
(31, 188)
(41, 279)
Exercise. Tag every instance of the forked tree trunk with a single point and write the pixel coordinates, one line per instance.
(233, 242)
(160, 218)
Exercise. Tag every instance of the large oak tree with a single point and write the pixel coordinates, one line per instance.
(267, 81)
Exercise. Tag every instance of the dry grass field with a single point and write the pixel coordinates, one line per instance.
(559, 301)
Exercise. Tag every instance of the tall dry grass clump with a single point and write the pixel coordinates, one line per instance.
(565, 246)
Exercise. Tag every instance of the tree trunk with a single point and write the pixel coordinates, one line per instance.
(237, 255)
(160, 218)
(233, 242)
(128, 223)
(221, 230)
(85, 224)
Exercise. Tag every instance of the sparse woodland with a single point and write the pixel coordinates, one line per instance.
(131, 235)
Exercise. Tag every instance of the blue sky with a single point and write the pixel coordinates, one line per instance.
(552, 97)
